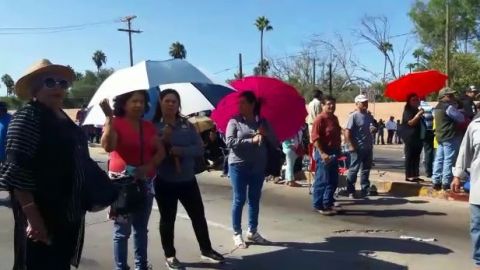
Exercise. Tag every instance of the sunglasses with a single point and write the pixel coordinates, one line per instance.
(51, 83)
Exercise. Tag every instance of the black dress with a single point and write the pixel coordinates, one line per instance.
(43, 158)
(412, 137)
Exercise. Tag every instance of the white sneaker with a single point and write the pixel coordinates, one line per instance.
(257, 238)
(239, 242)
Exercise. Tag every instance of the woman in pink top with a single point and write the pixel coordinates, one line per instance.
(122, 140)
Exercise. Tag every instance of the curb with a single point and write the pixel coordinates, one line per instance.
(404, 189)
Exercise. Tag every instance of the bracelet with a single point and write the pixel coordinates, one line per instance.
(27, 205)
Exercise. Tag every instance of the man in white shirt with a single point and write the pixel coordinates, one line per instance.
(314, 108)
(391, 128)
(468, 157)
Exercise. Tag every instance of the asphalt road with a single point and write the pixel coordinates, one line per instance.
(365, 236)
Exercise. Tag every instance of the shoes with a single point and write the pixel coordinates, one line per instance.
(445, 187)
(213, 256)
(412, 180)
(174, 264)
(327, 212)
(351, 196)
(239, 242)
(293, 184)
(437, 187)
(257, 238)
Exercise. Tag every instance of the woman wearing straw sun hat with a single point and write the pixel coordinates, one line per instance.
(42, 171)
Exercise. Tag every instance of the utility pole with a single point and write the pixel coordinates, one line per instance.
(314, 73)
(240, 67)
(447, 40)
(128, 20)
(330, 82)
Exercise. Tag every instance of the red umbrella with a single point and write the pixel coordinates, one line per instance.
(281, 104)
(422, 83)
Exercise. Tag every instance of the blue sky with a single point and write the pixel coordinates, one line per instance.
(213, 31)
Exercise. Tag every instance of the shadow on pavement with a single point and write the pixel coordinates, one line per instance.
(381, 201)
(336, 253)
(388, 213)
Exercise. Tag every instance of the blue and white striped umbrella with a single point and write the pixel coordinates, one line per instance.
(195, 97)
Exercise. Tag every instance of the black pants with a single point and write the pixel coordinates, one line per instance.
(30, 255)
(429, 152)
(390, 136)
(167, 196)
(380, 135)
(413, 149)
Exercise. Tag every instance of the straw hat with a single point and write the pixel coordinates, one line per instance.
(23, 87)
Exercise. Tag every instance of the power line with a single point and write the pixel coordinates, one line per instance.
(301, 53)
(52, 29)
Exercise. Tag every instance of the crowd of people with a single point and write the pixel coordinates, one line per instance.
(43, 166)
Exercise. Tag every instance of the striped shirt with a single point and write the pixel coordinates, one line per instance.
(44, 155)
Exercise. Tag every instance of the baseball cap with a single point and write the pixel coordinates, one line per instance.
(446, 91)
(361, 98)
(472, 89)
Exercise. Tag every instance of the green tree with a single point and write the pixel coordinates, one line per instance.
(83, 89)
(385, 48)
(263, 25)
(411, 66)
(429, 18)
(419, 54)
(99, 58)
(9, 83)
(178, 51)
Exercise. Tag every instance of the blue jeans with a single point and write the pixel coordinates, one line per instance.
(326, 182)
(475, 231)
(291, 157)
(245, 182)
(122, 230)
(361, 159)
(445, 158)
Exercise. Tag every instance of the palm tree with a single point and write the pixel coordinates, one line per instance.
(263, 25)
(177, 51)
(261, 68)
(385, 47)
(418, 53)
(9, 83)
(411, 66)
(99, 58)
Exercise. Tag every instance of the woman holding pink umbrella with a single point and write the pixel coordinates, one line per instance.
(247, 136)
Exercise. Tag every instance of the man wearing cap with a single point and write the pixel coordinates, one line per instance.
(468, 102)
(446, 117)
(359, 138)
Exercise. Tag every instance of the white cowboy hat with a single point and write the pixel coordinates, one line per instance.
(23, 87)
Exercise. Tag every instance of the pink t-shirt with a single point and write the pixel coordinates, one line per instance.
(128, 145)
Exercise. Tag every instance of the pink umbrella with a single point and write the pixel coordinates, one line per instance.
(281, 105)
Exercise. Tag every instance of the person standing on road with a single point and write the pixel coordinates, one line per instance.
(176, 179)
(468, 102)
(289, 148)
(314, 108)
(246, 135)
(413, 133)
(398, 138)
(428, 147)
(5, 119)
(326, 136)
(374, 130)
(358, 137)
(391, 127)
(44, 172)
(132, 143)
(446, 118)
(381, 132)
(468, 158)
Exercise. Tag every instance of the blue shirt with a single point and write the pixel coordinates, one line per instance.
(359, 125)
(4, 121)
(186, 137)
